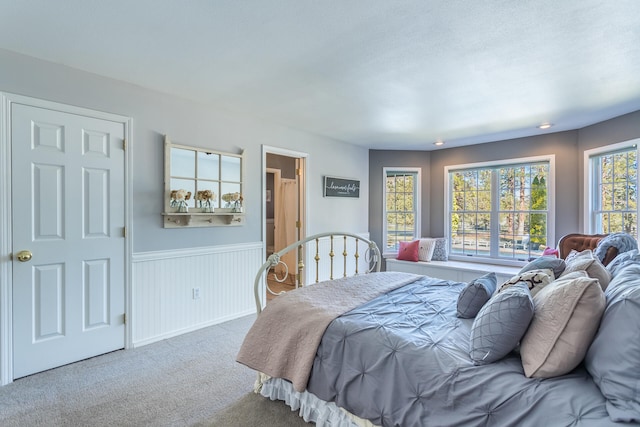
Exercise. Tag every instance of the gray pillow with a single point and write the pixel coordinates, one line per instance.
(475, 295)
(613, 357)
(546, 263)
(500, 324)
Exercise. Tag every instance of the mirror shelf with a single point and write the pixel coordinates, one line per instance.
(203, 187)
(202, 219)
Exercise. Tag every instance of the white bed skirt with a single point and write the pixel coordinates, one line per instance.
(311, 408)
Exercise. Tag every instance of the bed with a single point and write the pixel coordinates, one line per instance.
(390, 349)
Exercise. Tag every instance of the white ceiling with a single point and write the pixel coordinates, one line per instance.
(384, 74)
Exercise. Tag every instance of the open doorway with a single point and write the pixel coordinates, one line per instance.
(284, 213)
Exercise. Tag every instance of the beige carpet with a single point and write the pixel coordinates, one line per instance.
(192, 379)
(256, 410)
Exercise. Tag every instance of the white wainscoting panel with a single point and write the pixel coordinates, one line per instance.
(163, 300)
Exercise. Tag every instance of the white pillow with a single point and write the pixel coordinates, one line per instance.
(587, 261)
(425, 249)
(536, 280)
(566, 318)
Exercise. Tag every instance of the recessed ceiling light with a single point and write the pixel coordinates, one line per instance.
(438, 143)
(545, 125)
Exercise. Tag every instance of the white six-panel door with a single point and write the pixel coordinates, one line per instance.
(68, 211)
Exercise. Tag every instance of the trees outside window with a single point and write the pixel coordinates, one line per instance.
(614, 191)
(401, 207)
(499, 210)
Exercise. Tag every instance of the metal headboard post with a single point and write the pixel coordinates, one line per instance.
(317, 258)
(357, 256)
(300, 266)
(331, 254)
(344, 257)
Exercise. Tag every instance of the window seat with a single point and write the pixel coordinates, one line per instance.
(458, 271)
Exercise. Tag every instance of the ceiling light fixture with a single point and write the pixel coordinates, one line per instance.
(545, 125)
(438, 143)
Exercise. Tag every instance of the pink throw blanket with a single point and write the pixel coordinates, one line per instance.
(285, 337)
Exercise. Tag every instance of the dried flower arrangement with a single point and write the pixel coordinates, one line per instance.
(204, 199)
(179, 199)
(233, 200)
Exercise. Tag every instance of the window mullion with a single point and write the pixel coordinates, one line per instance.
(626, 170)
(596, 200)
(495, 213)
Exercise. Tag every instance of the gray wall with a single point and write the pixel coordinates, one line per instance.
(155, 114)
(562, 144)
(379, 159)
(619, 129)
(187, 122)
(568, 148)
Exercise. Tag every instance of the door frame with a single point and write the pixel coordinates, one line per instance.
(276, 182)
(6, 238)
(303, 201)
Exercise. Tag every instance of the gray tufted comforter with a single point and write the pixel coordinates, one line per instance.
(402, 360)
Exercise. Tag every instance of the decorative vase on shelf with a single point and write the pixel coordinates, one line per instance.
(237, 207)
(183, 208)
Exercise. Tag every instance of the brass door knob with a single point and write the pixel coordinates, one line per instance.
(24, 256)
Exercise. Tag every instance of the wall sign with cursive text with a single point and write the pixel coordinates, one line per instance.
(341, 187)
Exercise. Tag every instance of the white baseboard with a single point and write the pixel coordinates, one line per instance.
(192, 328)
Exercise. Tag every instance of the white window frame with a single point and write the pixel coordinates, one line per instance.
(590, 182)
(417, 202)
(495, 235)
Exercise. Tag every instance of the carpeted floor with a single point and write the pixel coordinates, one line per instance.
(256, 410)
(192, 379)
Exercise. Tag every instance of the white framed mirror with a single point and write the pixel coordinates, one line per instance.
(200, 181)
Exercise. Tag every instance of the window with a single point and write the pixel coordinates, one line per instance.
(500, 210)
(401, 207)
(613, 189)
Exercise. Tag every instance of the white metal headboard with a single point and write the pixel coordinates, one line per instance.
(337, 241)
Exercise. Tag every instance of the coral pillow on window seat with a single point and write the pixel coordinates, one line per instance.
(409, 251)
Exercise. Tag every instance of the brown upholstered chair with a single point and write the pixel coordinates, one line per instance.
(581, 242)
